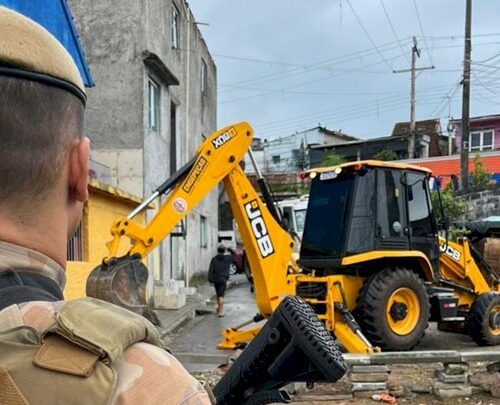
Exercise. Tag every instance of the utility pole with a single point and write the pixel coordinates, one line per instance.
(415, 52)
(464, 153)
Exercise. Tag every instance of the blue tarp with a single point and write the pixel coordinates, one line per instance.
(56, 17)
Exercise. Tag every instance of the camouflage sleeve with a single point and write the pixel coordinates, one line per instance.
(149, 375)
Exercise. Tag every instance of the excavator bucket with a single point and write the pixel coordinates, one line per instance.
(122, 281)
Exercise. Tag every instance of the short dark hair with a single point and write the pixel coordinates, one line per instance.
(37, 124)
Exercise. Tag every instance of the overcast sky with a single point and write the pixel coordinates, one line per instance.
(289, 65)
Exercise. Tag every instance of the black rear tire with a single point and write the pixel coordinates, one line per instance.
(479, 321)
(401, 326)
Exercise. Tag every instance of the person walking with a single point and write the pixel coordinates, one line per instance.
(218, 274)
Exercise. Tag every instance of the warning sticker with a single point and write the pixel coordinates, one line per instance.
(180, 205)
(196, 172)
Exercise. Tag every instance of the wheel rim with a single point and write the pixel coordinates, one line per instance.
(495, 312)
(403, 311)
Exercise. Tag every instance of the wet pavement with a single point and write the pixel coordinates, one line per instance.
(202, 334)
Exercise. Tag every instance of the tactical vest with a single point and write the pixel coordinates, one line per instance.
(72, 361)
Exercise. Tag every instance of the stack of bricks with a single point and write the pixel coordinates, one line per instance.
(369, 380)
(452, 381)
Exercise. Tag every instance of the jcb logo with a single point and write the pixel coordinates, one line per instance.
(259, 228)
(449, 251)
(224, 138)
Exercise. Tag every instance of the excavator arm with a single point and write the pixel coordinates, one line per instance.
(217, 156)
(122, 280)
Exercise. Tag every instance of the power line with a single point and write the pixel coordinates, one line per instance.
(399, 95)
(349, 113)
(244, 58)
(283, 90)
(345, 117)
(393, 30)
(323, 65)
(368, 35)
(449, 95)
(422, 31)
(343, 112)
(488, 59)
(300, 84)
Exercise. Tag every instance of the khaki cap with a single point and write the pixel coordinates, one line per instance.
(29, 51)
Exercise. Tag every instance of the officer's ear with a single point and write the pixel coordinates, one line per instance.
(79, 169)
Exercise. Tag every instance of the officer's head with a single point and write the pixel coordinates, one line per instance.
(43, 156)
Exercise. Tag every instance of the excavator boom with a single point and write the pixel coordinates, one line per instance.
(122, 280)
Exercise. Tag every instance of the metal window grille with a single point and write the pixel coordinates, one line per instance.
(75, 246)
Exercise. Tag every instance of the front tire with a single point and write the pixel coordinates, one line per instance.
(483, 322)
(393, 309)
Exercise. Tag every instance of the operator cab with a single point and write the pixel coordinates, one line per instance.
(367, 206)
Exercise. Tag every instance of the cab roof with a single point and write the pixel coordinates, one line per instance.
(372, 163)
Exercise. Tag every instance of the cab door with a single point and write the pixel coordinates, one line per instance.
(391, 229)
(422, 231)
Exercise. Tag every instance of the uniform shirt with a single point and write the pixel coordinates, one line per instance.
(146, 374)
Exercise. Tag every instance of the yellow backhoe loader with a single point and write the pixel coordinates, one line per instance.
(371, 263)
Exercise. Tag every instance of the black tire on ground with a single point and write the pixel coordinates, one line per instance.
(480, 319)
(371, 312)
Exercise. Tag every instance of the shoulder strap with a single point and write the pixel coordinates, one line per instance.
(102, 328)
(10, 318)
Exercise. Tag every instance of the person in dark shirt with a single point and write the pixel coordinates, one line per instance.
(218, 274)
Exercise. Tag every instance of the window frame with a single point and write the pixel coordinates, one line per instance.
(154, 105)
(203, 76)
(175, 27)
(203, 231)
(481, 146)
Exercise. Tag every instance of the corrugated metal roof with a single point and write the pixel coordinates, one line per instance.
(56, 17)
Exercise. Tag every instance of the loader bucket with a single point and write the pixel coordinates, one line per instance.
(122, 281)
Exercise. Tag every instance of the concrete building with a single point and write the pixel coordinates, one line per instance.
(369, 148)
(154, 98)
(291, 153)
(88, 246)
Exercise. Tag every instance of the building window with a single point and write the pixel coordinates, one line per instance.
(276, 159)
(203, 231)
(481, 140)
(203, 77)
(154, 105)
(173, 138)
(175, 27)
(74, 249)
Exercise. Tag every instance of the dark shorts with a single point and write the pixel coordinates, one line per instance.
(220, 288)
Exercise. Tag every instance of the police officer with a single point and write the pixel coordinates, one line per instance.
(51, 351)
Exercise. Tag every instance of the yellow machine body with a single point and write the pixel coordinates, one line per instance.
(269, 250)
